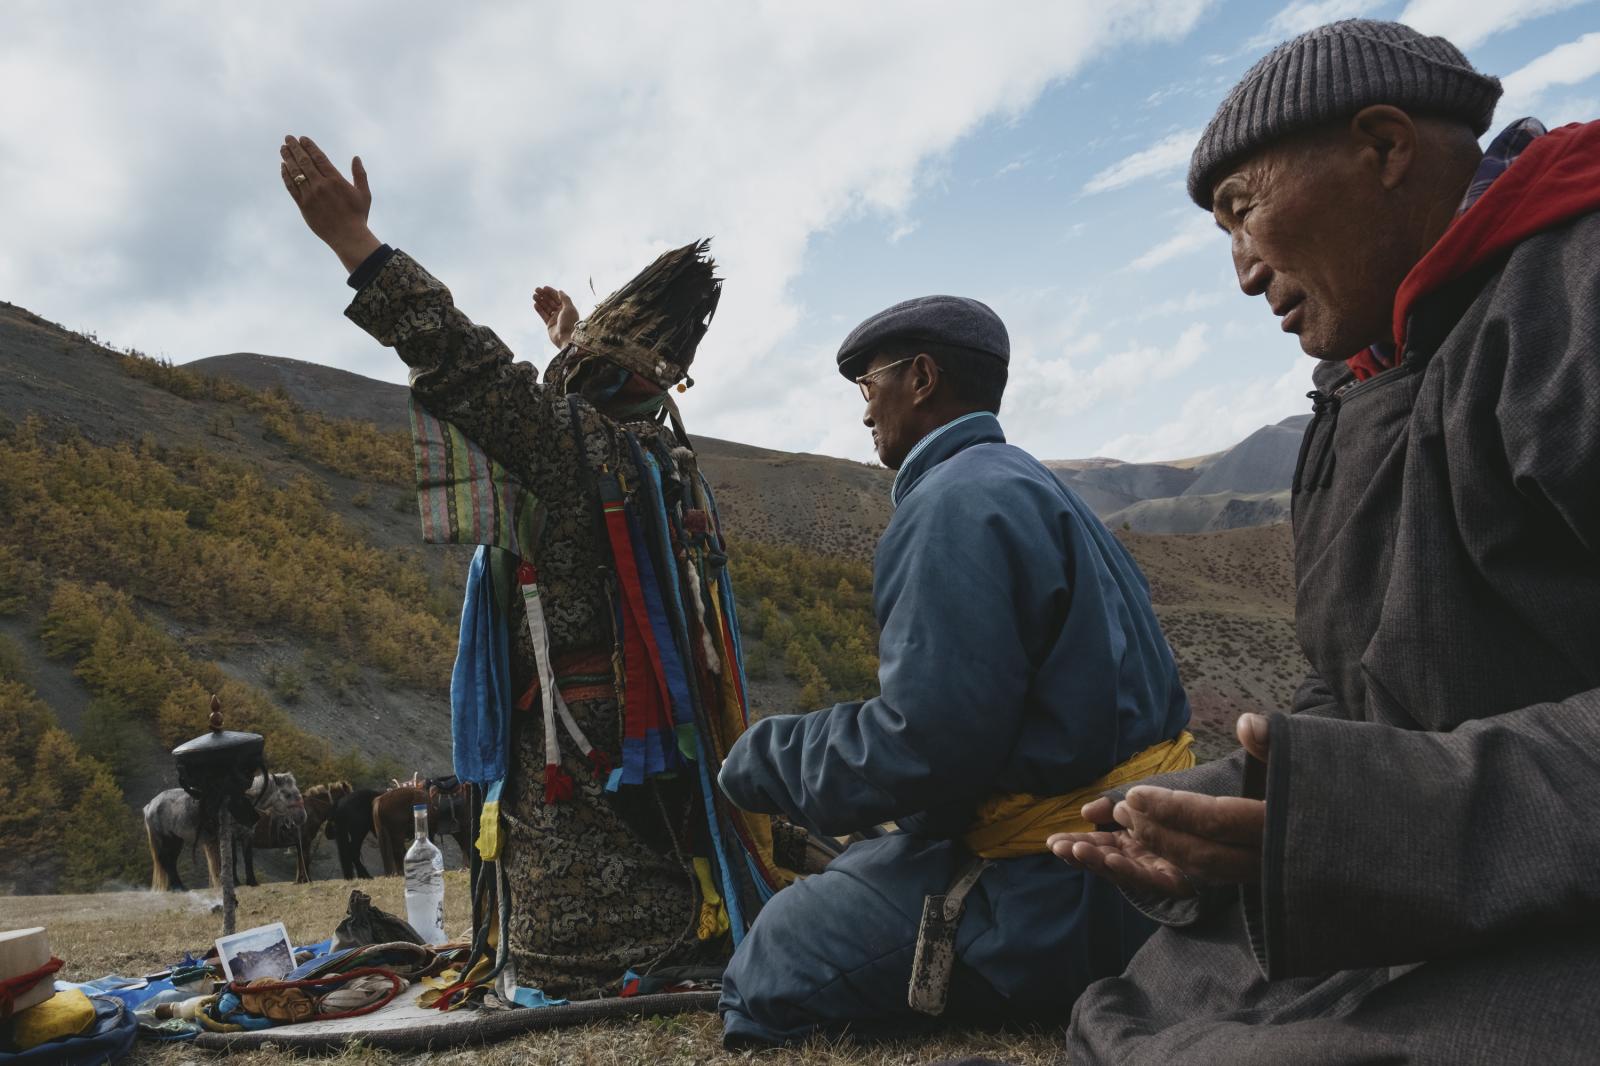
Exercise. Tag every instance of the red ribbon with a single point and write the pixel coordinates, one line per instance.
(14, 988)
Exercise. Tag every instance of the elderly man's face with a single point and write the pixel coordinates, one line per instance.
(1314, 233)
(891, 408)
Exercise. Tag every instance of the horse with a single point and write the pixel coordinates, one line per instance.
(172, 819)
(319, 804)
(449, 811)
(348, 827)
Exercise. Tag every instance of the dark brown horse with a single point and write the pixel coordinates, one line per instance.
(270, 834)
(449, 812)
(348, 828)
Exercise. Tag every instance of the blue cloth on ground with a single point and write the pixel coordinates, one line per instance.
(130, 991)
(533, 997)
(321, 947)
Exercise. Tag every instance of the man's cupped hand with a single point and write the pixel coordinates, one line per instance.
(1171, 843)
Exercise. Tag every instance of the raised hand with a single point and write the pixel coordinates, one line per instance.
(1169, 840)
(560, 314)
(335, 209)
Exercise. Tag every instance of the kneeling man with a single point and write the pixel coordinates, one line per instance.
(1022, 667)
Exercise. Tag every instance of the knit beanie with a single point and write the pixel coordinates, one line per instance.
(1330, 73)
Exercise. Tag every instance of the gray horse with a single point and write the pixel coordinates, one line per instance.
(172, 819)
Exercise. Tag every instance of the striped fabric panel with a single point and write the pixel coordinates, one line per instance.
(582, 675)
(463, 496)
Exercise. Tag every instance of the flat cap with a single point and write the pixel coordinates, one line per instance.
(1331, 73)
(952, 320)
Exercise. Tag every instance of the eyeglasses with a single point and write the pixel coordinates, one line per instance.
(865, 380)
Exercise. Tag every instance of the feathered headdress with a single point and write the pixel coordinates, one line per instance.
(653, 324)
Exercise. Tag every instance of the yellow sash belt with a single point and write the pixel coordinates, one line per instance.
(1010, 825)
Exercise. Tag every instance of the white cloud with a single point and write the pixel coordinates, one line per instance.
(1197, 231)
(1189, 303)
(1571, 109)
(1166, 155)
(508, 146)
(1219, 416)
(1569, 64)
(1128, 371)
(902, 230)
(1468, 25)
(1303, 15)
(1047, 386)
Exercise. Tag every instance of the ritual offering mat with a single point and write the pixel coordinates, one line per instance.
(404, 1026)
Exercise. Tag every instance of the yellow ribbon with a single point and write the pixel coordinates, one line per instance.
(489, 839)
(713, 915)
(1013, 824)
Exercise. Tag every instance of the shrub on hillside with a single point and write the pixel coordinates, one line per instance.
(215, 545)
(63, 823)
(21, 579)
(811, 613)
(13, 664)
(344, 445)
(115, 737)
(130, 664)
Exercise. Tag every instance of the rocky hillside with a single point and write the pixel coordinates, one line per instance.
(247, 523)
(71, 386)
(1226, 603)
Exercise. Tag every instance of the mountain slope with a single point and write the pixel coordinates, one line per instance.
(154, 465)
(1261, 463)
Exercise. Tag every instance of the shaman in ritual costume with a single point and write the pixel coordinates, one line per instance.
(598, 680)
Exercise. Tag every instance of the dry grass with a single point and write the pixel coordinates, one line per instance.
(132, 933)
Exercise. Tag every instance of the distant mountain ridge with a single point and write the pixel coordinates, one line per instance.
(1245, 485)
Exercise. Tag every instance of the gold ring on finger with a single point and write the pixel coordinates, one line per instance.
(299, 179)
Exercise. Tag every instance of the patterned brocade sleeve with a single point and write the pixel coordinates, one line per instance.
(460, 371)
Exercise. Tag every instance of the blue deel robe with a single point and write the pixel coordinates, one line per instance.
(1019, 653)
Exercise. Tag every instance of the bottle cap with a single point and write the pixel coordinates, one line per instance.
(419, 807)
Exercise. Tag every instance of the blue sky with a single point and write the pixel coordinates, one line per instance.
(1012, 215)
(844, 156)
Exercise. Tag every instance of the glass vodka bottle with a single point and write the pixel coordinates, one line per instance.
(424, 867)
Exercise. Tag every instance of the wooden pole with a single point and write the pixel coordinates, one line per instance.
(225, 841)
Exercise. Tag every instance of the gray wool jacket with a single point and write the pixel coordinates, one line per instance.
(1430, 890)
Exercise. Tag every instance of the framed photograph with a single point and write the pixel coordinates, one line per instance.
(260, 952)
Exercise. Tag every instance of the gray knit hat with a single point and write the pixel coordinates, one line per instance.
(1330, 73)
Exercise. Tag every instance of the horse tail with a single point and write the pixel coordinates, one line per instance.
(213, 850)
(158, 872)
